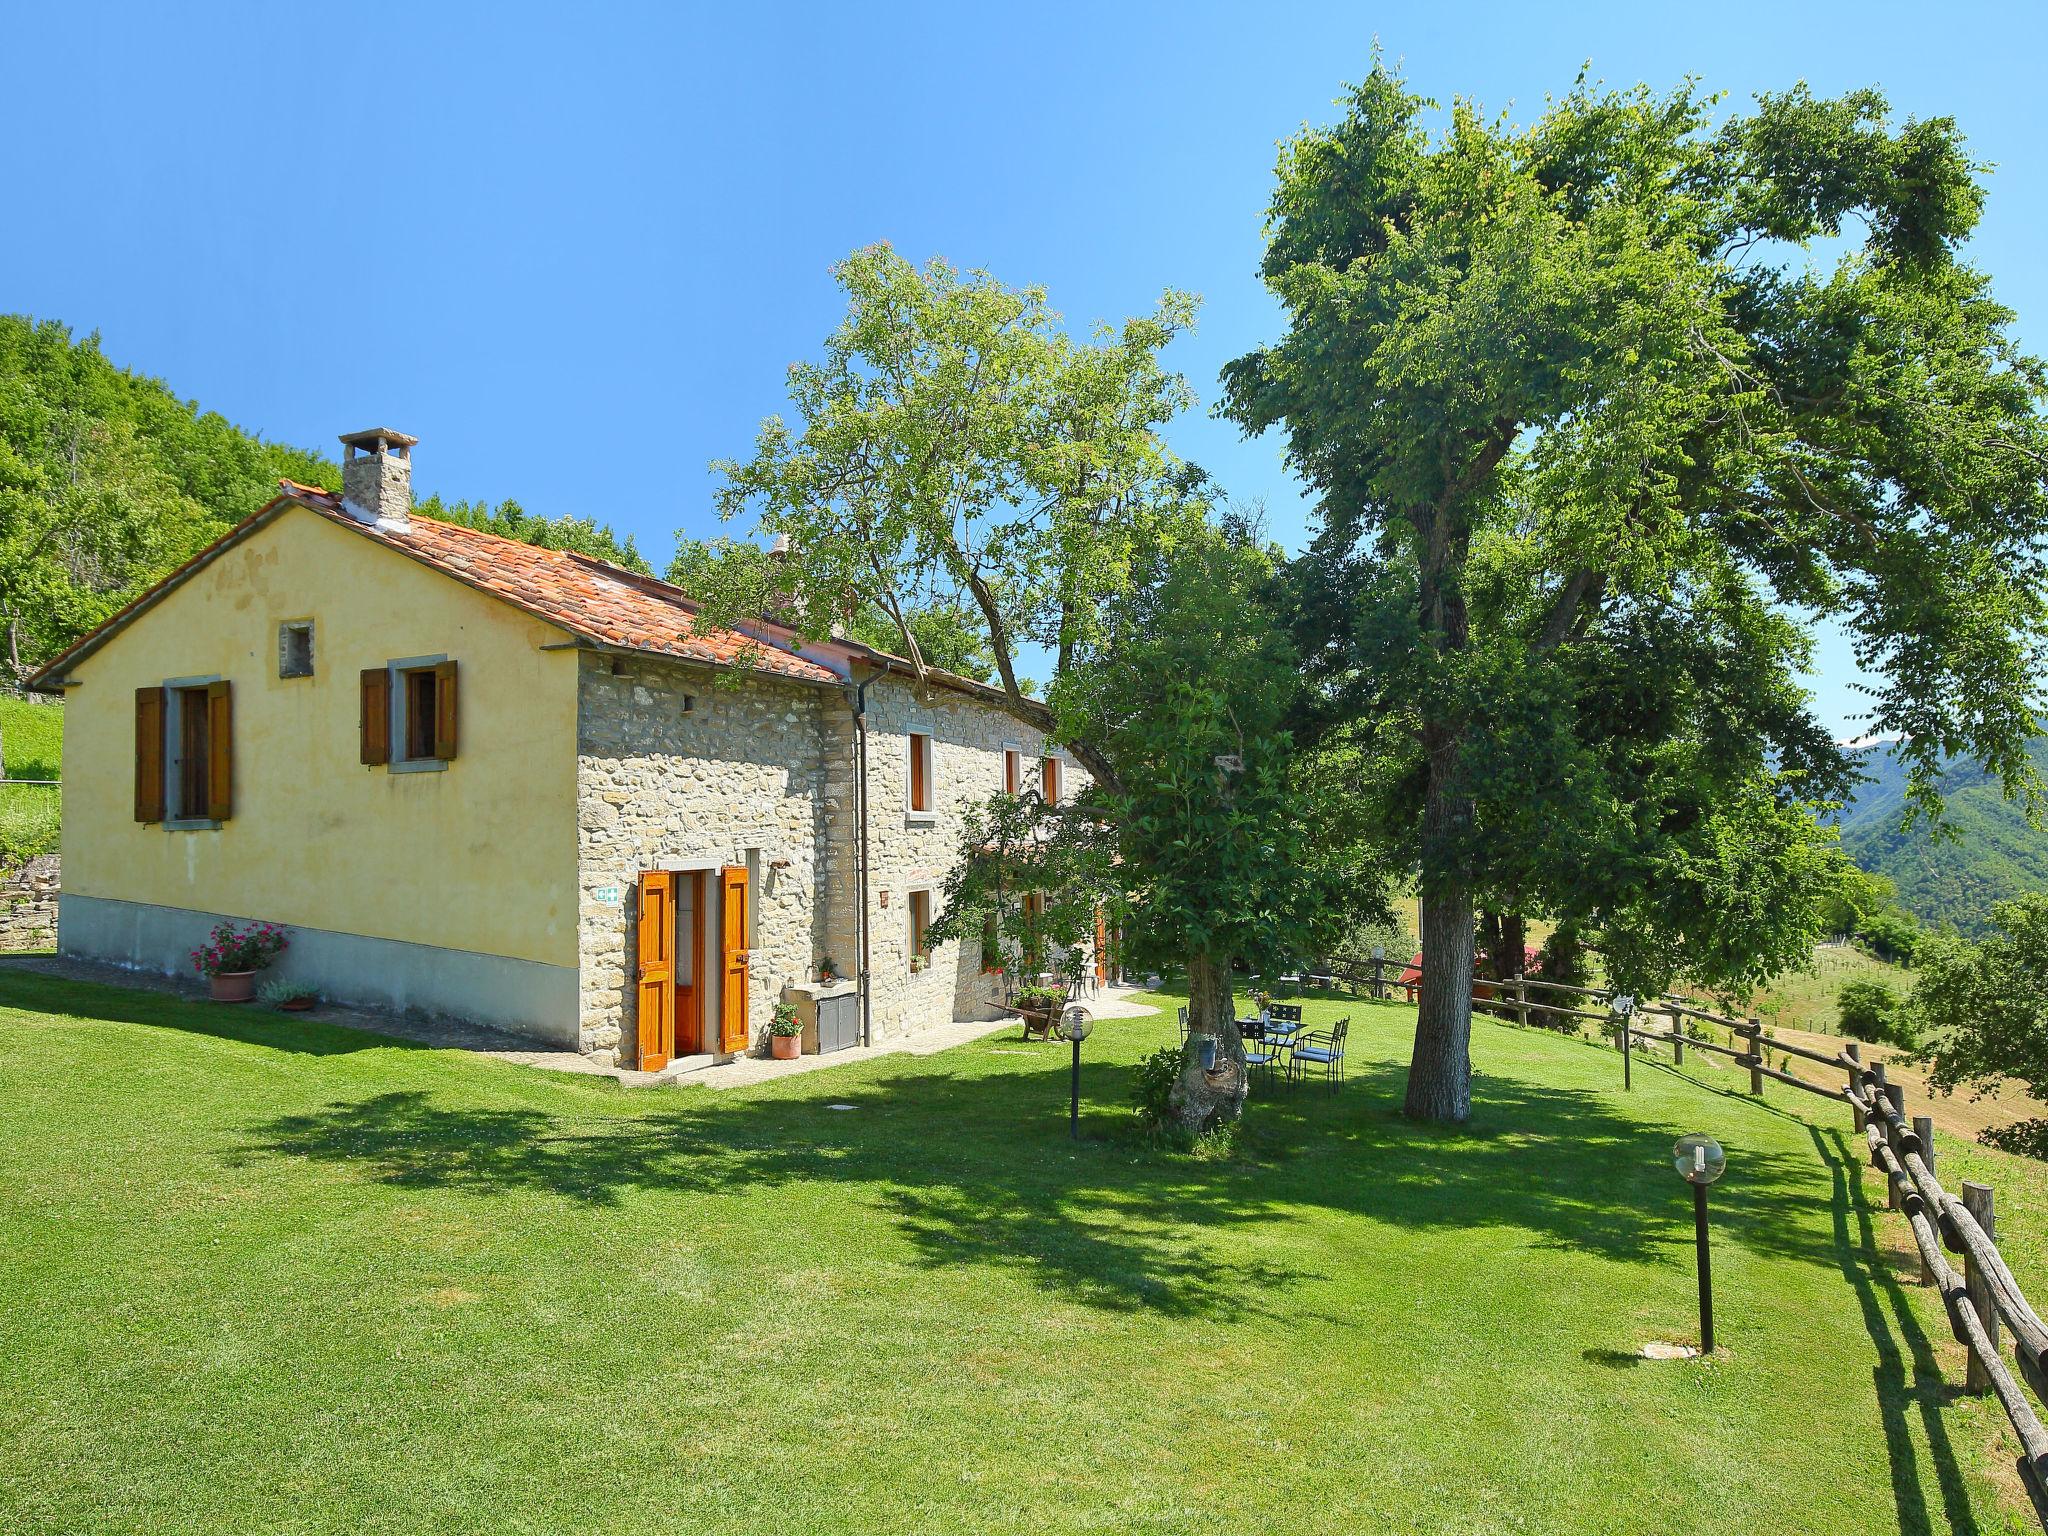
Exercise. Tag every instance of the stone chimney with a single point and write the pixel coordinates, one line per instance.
(376, 477)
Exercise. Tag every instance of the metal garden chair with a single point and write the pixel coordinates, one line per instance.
(1320, 1048)
(1263, 1053)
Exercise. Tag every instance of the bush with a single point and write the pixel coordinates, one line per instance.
(1152, 1089)
(1870, 1011)
(30, 822)
(1892, 934)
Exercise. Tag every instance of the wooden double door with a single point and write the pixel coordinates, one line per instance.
(671, 987)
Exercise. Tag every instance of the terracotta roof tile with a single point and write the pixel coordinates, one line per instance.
(585, 596)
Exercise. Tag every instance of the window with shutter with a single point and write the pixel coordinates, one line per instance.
(410, 714)
(220, 751)
(920, 771)
(1013, 770)
(1049, 778)
(149, 754)
(920, 929)
(374, 727)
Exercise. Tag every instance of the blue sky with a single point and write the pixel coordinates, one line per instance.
(574, 248)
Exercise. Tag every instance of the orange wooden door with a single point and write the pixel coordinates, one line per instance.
(732, 954)
(691, 988)
(657, 969)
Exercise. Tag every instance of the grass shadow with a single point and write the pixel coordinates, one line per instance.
(1907, 1378)
(34, 991)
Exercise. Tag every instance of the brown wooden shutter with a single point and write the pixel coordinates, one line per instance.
(444, 710)
(373, 727)
(149, 754)
(220, 751)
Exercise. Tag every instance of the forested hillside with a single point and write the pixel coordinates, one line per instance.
(108, 479)
(1994, 855)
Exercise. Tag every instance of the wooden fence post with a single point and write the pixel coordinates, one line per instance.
(1756, 1057)
(1892, 1091)
(1855, 1056)
(1977, 1201)
(1923, 1127)
(1676, 1023)
(1377, 962)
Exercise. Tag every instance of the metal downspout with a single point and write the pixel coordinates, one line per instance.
(860, 818)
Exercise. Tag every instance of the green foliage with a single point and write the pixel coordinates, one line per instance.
(31, 822)
(1591, 416)
(107, 480)
(739, 576)
(1230, 842)
(785, 1022)
(1991, 852)
(1980, 1007)
(956, 451)
(509, 520)
(277, 993)
(1152, 1092)
(1869, 1010)
(1893, 934)
(31, 737)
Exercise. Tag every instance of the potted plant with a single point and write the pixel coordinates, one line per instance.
(785, 1033)
(828, 969)
(1039, 1005)
(289, 996)
(231, 957)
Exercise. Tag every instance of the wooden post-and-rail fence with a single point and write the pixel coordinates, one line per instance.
(1982, 1299)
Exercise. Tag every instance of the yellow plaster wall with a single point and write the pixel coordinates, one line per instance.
(480, 857)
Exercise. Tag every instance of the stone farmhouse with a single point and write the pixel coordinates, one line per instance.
(509, 784)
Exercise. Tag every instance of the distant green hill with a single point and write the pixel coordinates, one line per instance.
(108, 480)
(1994, 855)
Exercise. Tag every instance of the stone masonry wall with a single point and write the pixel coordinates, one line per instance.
(909, 851)
(28, 905)
(737, 779)
(763, 774)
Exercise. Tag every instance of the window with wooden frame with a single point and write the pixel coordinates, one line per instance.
(921, 773)
(991, 946)
(408, 714)
(1049, 778)
(1013, 771)
(185, 753)
(920, 928)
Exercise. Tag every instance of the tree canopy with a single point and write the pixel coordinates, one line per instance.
(108, 481)
(1598, 411)
(957, 451)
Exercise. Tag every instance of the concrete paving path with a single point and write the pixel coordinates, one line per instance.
(461, 1035)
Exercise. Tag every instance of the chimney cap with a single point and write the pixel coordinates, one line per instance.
(375, 436)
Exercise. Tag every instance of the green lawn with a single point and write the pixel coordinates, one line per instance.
(31, 747)
(267, 1275)
(31, 738)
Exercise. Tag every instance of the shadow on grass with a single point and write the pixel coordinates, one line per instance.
(35, 991)
(974, 1167)
(1907, 1378)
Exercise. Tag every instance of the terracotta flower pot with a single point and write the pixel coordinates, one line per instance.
(298, 1004)
(232, 986)
(785, 1047)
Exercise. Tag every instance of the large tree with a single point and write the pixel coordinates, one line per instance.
(1216, 843)
(956, 449)
(1601, 412)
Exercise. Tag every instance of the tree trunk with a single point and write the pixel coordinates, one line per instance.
(1205, 1100)
(1440, 1071)
(1514, 943)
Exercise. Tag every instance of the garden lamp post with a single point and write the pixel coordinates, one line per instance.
(1700, 1161)
(1075, 1024)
